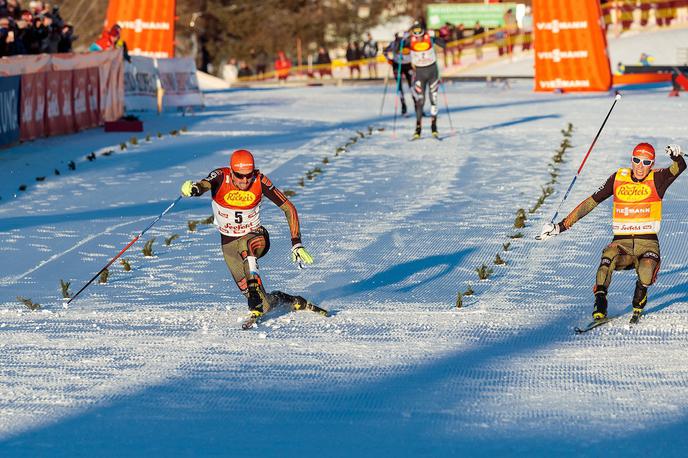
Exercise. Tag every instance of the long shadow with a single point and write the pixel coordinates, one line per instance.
(147, 209)
(514, 122)
(399, 273)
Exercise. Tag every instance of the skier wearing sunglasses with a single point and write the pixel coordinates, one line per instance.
(237, 192)
(636, 216)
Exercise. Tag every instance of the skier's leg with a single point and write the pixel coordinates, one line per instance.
(419, 91)
(647, 267)
(241, 256)
(614, 257)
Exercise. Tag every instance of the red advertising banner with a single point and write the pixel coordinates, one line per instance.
(59, 109)
(147, 25)
(32, 109)
(64, 93)
(570, 46)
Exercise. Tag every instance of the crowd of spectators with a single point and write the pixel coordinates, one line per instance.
(36, 29)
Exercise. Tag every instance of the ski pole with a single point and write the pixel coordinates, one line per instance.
(396, 97)
(125, 249)
(616, 99)
(384, 93)
(444, 91)
(446, 105)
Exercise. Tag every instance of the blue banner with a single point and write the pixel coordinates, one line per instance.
(9, 109)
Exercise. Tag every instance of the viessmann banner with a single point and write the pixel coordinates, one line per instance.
(570, 46)
(147, 25)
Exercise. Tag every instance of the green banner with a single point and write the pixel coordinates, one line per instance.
(491, 15)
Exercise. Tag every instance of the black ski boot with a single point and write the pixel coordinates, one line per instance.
(404, 110)
(639, 301)
(433, 127)
(600, 310)
(416, 135)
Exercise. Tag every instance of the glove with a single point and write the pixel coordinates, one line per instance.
(190, 189)
(674, 151)
(300, 256)
(549, 230)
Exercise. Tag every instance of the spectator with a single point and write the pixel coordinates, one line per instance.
(353, 54)
(323, 62)
(370, 52)
(230, 72)
(67, 37)
(106, 41)
(261, 62)
(500, 41)
(52, 36)
(13, 9)
(282, 66)
(459, 35)
(511, 30)
(446, 34)
(244, 70)
(478, 39)
(7, 43)
(527, 23)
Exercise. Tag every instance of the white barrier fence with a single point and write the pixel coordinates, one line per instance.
(155, 84)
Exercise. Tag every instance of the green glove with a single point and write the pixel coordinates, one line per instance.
(300, 256)
(189, 189)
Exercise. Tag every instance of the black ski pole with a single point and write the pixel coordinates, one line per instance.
(384, 93)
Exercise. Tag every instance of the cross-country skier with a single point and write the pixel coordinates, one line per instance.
(237, 192)
(636, 217)
(426, 73)
(398, 54)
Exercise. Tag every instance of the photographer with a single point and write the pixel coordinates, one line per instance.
(8, 46)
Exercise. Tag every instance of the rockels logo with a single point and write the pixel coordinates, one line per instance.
(421, 46)
(557, 55)
(238, 198)
(633, 192)
(556, 26)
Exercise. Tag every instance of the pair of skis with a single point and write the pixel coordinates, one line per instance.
(596, 323)
(297, 303)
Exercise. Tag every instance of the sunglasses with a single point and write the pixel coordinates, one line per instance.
(646, 162)
(240, 176)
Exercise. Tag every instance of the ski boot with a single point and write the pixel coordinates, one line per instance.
(600, 311)
(433, 127)
(416, 135)
(639, 301)
(404, 110)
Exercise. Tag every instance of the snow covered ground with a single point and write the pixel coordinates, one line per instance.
(153, 363)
